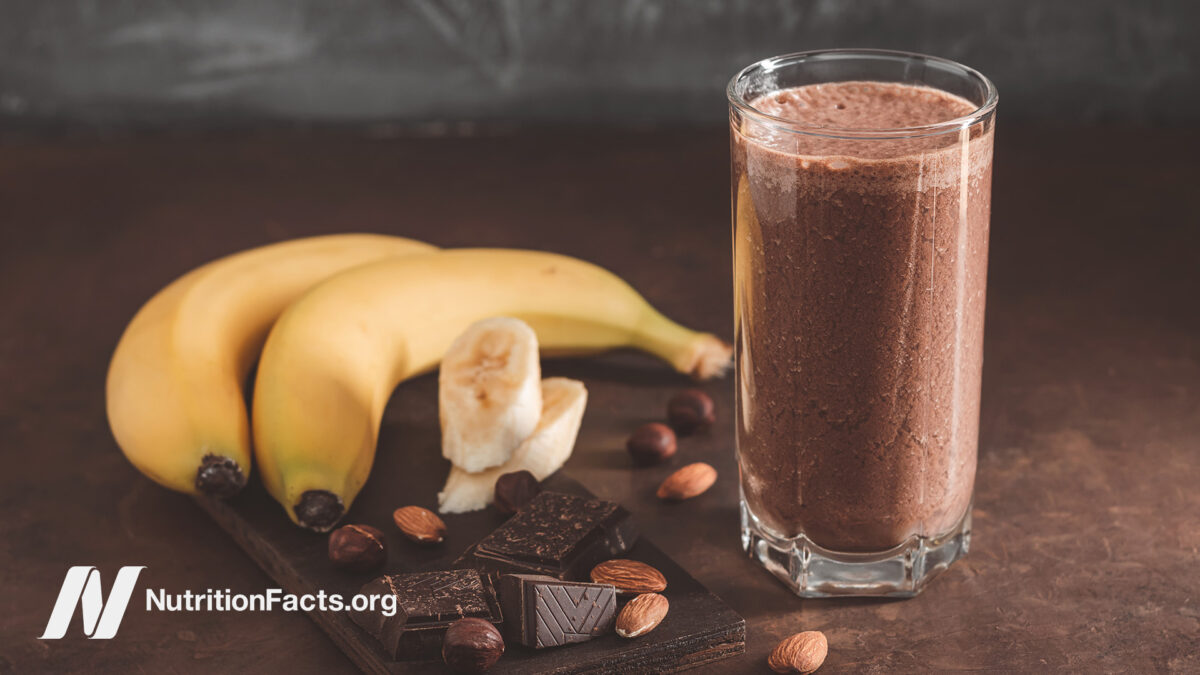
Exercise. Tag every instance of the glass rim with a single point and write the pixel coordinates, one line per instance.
(980, 113)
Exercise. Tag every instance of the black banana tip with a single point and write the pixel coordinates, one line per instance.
(219, 476)
(319, 509)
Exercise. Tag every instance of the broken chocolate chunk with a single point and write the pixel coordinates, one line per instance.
(558, 535)
(426, 604)
(543, 611)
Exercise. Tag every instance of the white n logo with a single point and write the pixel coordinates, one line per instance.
(82, 587)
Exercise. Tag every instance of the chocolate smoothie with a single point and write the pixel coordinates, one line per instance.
(860, 267)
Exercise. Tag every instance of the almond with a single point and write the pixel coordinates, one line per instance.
(688, 482)
(800, 653)
(419, 524)
(642, 615)
(629, 576)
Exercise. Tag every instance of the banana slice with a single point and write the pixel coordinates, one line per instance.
(563, 402)
(489, 392)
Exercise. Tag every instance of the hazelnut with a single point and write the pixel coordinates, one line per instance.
(690, 411)
(515, 490)
(357, 548)
(472, 645)
(651, 443)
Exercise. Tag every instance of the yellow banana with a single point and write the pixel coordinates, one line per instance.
(174, 393)
(334, 357)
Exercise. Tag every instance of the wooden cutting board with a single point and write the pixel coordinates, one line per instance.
(699, 629)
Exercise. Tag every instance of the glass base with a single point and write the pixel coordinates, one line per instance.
(814, 572)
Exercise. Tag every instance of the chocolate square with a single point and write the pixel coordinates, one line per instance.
(558, 535)
(544, 612)
(426, 603)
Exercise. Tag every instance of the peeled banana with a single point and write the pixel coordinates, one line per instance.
(334, 357)
(563, 403)
(489, 392)
(174, 391)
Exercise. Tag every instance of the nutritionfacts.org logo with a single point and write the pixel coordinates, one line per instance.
(81, 589)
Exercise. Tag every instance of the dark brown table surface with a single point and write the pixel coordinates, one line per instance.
(1086, 554)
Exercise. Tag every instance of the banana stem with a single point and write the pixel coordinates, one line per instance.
(702, 355)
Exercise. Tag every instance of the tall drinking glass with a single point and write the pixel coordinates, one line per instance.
(861, 189)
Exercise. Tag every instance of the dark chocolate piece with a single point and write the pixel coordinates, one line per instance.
(559, 535)
(543, 611)
(426, 604)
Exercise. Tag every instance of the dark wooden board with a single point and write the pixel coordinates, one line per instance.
(699, 629)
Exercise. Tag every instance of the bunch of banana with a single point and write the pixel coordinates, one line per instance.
(334, 357)
(496, 416)
(175, 400)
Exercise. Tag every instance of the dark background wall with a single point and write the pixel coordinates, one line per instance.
(154, 62)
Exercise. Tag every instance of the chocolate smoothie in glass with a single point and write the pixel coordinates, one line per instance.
(861, 189)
